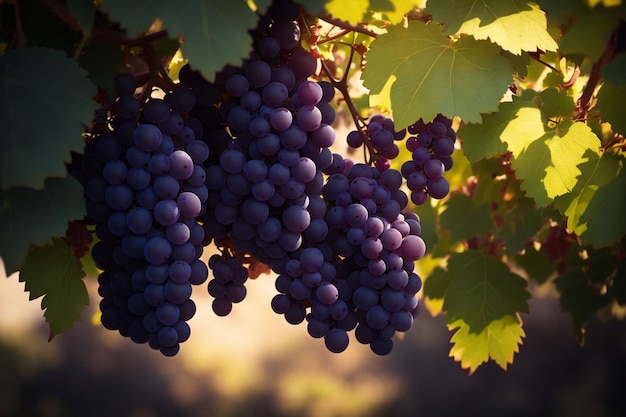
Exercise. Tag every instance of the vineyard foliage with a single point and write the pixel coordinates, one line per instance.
(537, 90)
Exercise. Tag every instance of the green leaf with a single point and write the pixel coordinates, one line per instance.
(212, 34)
(604, 215)
(515, 25)
(521, 221)
(482, 290)
(555, 103)
(599, 21)
(546, 158)
(30, 217)
(482, 140)
(54, 272)
(613, 72)
(578, 298)
(104, 60)
(42, 113)
(436, 284)
(429, 74)
(536, 263)
(596, 172)
(610, 99)
(498, 341)
(465, 220)
(84, 12)
(43, 28)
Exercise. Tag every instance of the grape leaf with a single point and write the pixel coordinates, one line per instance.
(482, 140)
(84, 12)
(536, 263)
(212, 34)
(610, 111)
(104, 61)
(555, 103)
(596, 172)
(429, 74)
(521, 220)
(436, 284)
(600, 21)
(482, 290)
(604, 215)
(545, 157)
(354, 11)
(498, 341)
(578, 298)
(30, 217)
(613, 72)
(464, 219)
(515, 25)
(54, 272)
(349, 11)
(41, 116)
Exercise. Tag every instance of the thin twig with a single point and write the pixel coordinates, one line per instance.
(345, 25)
(594, 79)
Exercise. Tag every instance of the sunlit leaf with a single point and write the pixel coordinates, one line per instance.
(499, 341)
(434, 75)
(515, 25)
(596, 172)
(546, 158)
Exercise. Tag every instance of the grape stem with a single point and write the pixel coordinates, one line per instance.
(359, 122)
(360, 28)
(583, 104)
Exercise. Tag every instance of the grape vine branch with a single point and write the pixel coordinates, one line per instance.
(485, 157)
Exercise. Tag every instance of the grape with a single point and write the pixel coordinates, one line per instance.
(237, 85)
(156, 111)
(258, 73)
(286, 32)
(275, 94)
(124, 84)
(310, 93)
(147, 137)
(336, 340)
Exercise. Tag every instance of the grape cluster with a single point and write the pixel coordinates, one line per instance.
(432, 145)
(145, 187)
(245, 162)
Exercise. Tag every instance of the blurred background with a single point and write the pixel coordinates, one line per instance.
(252, 363)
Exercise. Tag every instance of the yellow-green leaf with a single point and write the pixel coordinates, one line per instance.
(515, 25)
(499, 342)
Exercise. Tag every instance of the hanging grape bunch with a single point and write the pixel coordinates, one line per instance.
(245, 162)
